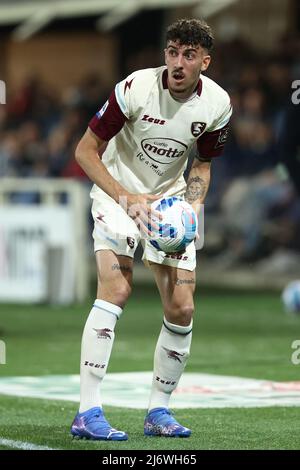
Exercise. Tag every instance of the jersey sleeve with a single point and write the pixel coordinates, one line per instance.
(211, 143)
(110, 119)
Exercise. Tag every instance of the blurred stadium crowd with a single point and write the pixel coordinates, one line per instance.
(253, 203)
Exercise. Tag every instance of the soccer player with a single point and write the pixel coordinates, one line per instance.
(150, 123)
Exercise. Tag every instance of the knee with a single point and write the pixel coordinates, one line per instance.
(117, 294)
(180, 314)
(121, 294)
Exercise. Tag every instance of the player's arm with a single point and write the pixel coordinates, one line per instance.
(210, 145)
(198, 182)
(87, 155)
(136, 205)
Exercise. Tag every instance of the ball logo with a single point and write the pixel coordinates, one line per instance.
(163, 150)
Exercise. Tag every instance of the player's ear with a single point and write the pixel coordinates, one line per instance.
(165, 51)
(205, 62)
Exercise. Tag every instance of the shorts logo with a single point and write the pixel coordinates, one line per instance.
(222, 138)
(197, 128)
(130, 242)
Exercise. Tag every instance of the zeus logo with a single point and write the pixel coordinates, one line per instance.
(2, 92)
(296, 94)
(166, 382)
(154, 120)
(127, 85)
(92, 364)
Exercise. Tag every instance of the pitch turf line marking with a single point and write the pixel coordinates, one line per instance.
(22, 445)
(131, 390)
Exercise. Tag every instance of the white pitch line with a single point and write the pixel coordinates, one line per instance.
(22, 445)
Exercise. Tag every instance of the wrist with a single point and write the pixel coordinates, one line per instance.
(120, 194)
(196, 205)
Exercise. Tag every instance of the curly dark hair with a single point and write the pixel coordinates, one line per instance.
(191, 32)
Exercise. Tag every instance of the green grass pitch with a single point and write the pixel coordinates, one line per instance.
(235, 333)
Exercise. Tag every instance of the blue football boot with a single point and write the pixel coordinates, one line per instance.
(160, 422)
(92, 425)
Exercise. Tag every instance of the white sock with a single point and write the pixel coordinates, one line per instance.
(171, 354)
(97, 341)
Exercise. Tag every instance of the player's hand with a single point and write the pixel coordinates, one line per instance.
(138, 208)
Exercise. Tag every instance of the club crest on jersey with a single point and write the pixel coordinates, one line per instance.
(197, 128)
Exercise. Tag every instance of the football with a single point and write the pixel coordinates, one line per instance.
(291, 297)
(179, 225)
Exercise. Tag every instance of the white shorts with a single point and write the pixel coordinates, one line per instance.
(114, 230)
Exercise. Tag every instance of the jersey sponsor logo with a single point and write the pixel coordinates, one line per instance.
(148, 118)
(100, 113)
(222, 138)
(163, 150)
(197, 128)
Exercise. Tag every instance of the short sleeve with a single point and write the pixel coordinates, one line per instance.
(110, 119)
(211, 143)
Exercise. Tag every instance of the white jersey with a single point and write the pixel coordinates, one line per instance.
(150, 134)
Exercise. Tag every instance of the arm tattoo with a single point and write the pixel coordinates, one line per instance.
(196, 189)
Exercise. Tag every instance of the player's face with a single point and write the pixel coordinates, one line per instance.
(184, 63)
